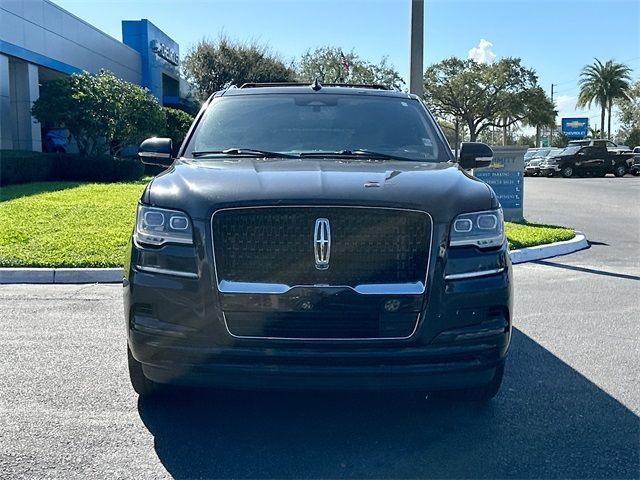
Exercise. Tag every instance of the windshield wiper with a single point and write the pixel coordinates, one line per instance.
(243, 152)
(358, 153)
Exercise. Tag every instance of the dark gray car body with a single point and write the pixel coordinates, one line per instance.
(178, 327)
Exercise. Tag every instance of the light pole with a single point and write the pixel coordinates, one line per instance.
(416, 40)
(554, 122)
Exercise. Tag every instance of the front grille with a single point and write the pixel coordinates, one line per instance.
(310, 326)
(276, 245)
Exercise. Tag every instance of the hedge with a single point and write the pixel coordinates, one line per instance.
(24, 166)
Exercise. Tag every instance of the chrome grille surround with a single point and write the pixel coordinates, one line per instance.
(409, 288)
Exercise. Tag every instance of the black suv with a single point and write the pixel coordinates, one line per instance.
(318, 237)
(590, 160)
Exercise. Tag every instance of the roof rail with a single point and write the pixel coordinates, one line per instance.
(302, 84)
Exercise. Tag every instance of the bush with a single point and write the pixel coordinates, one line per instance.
(22, 167)
(97, 169)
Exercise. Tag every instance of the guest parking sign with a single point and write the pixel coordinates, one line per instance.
(505, 177)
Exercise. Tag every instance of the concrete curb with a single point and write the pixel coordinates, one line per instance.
(60, 275)
(530, 254)
(114, 275)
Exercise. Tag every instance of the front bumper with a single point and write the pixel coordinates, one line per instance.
(177, 331)
(549, 169)
(396, 369)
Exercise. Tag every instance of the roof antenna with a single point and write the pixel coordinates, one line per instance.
(316, 85)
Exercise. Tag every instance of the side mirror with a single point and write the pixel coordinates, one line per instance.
(475, 155)
(156, 151)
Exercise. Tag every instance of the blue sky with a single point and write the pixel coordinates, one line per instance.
(556, 38)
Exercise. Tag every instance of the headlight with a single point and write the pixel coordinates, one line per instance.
(157, 226)
(480, 229)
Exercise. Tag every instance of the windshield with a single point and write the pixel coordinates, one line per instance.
(541, 153)
(569, 151)
(554, 152)
(305, 123)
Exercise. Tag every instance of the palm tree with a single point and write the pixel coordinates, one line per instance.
(601, 84)
(594, 133)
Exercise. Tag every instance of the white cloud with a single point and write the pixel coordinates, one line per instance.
(566, 105)
(483, 53)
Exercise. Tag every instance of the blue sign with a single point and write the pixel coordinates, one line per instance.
(575, 127)
(506, 184)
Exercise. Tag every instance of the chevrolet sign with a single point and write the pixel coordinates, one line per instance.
(575, 127)
(168, 53)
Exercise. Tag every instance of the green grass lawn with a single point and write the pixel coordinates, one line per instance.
(67, 224)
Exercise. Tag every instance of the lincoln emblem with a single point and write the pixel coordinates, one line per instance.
(322, 243)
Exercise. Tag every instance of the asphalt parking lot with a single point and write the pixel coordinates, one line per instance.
(569, 404)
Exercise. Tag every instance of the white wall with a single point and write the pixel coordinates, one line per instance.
(44, 28)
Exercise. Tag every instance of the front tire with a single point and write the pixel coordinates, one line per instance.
(144, 387)
(567, 171)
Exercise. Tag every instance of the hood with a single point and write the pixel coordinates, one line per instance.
(203, 186)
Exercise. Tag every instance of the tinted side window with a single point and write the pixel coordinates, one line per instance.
(595, 151)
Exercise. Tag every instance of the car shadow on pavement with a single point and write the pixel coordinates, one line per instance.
(586, 270)
(547, 421)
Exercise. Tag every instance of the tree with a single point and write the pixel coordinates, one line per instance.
(629, 115)
(331, 65)
(560, 140)
(602, 84)
(211, 66)
(594, 133)
(632, 138)
(526, 140)
(541, 113)
(480, 95)
(177, 124)
(102, 112)
(449, 130)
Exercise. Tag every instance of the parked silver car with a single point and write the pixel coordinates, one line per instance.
(531, 163)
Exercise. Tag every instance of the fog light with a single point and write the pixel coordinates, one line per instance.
(391, 305)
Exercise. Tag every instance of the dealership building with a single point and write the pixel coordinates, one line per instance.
(39, 41)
